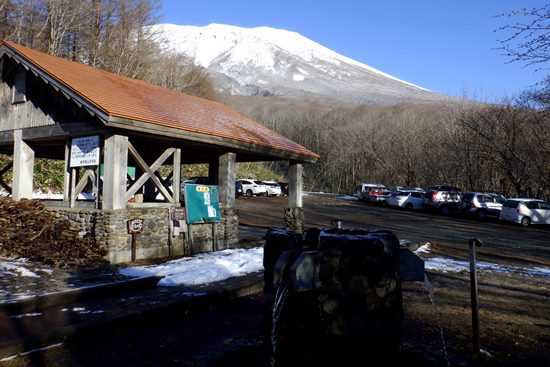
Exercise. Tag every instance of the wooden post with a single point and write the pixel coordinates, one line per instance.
(67, 174)
(72, 191)
(176, 177)
(474, 294)
(114, 175)
(295, 172)
(23, 168)
(226, 175)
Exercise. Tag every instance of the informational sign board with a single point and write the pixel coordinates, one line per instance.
(85, 151)
(177, 213)
(201, 203)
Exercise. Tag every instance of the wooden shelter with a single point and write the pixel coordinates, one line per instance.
(51, 106)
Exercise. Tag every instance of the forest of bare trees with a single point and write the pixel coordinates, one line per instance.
(503, 147)
(113, 35)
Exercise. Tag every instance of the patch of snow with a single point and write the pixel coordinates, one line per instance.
(34, 314)
(261, 81)
(12, 268)
(49, 195)
(348, 197)
(452, 265)
(298, 77)
(202, 268)
(30, 351)
(424, 249)
(82, 310)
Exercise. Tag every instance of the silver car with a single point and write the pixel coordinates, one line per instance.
(526, 211)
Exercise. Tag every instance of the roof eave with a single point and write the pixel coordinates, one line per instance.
(56, 84)
(269, 152)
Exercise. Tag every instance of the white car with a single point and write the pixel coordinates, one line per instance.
(251, 188)
(526, 211)
(408, 199)
(273, 188)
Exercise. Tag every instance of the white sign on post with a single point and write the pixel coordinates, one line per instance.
(85, 151)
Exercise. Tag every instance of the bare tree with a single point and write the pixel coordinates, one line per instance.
(528, 40)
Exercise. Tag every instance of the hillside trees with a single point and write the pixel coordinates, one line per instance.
(508, 146)
(474, 146)
(114, 35)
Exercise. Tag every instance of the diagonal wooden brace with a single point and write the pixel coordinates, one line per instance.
(149, 172)
(2, 172)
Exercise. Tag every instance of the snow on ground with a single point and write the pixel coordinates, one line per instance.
(30, 352)
(445, 264)
(15, 268)
(348, 197)
(202, 268)
(452, 265)
(49, 195)
(424, 249)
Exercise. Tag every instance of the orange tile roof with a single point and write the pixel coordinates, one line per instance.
(132, 99)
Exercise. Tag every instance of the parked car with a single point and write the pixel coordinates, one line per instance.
(482, 204)
(405, 188)
(200, 180)
(253, 188)
(445, 199)
(238, 189)
(372, 192)
(408, 199)
(526, 211)
(273, 188)
(284, 188)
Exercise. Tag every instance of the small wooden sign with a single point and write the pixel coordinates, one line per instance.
(135, 225)
(177, 213)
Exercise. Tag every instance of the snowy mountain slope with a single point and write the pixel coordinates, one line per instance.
(267, 61)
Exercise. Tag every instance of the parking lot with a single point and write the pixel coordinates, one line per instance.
(504, 243)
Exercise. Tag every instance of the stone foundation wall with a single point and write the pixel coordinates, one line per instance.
(108, 227)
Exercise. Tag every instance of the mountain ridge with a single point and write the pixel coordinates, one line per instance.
(268, 61)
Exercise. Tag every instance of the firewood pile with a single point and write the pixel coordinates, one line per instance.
(28, 230)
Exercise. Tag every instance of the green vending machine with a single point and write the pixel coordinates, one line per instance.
(201, 203)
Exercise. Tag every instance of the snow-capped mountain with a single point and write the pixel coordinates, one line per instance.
(268, 61)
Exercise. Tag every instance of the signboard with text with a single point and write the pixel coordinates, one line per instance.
(85, 151)
(202, 203)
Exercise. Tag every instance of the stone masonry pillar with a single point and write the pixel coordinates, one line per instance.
(23, 168)
(294, 214)
(114, 174)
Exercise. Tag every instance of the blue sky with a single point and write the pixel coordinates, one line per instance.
(446, 46)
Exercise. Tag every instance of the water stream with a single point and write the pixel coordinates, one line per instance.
(278, 321)
(429, 287)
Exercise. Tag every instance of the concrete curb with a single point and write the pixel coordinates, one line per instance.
(37, 303)
(197, 297)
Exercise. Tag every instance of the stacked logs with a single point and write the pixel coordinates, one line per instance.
(28, 230)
